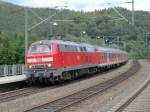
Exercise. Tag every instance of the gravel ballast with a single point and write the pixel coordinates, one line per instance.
(28, 102)
(104, 102)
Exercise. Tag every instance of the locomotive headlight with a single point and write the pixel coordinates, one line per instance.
(30, 66)
(49, 65)
(47, 59)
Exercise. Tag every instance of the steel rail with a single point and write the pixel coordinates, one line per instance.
(70, 100)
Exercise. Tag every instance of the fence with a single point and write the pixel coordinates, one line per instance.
(11, 70)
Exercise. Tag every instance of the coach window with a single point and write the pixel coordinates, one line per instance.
(103, 55)
(109, 55)
(80, 49)
(84, 49)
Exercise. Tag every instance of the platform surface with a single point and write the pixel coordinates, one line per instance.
(11, 79)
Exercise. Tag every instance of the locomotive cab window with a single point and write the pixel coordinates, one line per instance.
(42, 48)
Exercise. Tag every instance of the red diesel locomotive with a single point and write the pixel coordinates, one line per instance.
(59, 60)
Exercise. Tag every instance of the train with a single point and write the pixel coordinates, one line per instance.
(51, 61)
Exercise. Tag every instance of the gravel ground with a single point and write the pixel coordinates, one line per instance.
(12, 86)
(105, 101)
(28, 102)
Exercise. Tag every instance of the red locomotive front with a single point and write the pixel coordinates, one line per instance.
(40, 60)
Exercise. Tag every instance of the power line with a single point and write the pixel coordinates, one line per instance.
(118, 13)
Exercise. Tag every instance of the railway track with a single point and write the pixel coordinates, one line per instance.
(136, 96)
(12, 95)
(70, 100)
(131, 98)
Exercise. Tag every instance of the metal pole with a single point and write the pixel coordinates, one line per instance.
(81, 37)
(146, 40)
(124, 46)
(103, 40)
(96, 40)
(133, 12)
(52, 30)
(50, 21)
(118, 42)
(26, 32)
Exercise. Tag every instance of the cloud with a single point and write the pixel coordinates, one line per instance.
(38, 3)
(84, 5)
(139, 5)
(89, 5)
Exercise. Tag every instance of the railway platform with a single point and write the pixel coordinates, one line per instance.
(11, 79)
(12, 73)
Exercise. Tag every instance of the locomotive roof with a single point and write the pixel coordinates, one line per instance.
(64, 42)
(108, 49)
(77, 44)
(72, 43)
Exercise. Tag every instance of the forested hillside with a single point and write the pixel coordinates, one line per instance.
(106, 24)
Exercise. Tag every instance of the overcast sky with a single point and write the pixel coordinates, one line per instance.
(86, 5)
